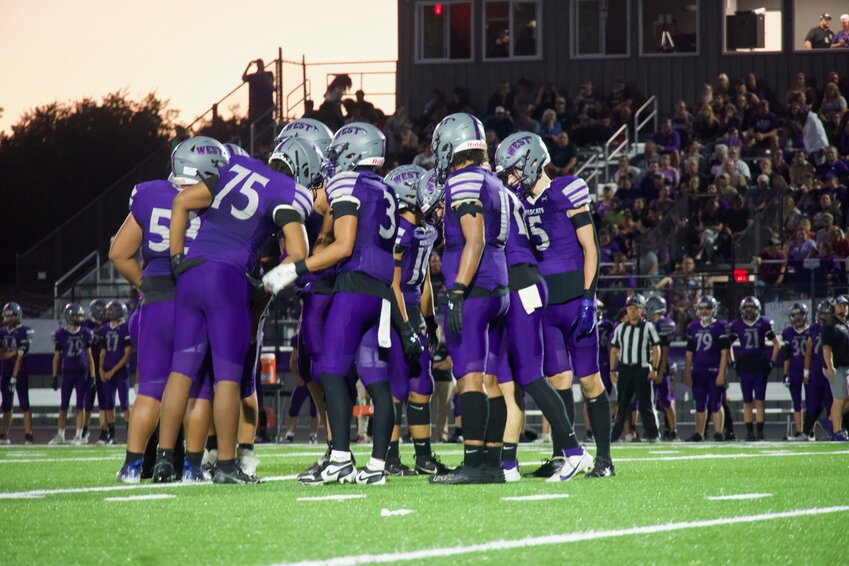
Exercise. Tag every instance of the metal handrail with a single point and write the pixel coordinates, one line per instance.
(608, 155)
(96, 255)
(638, 125)
(306, 93)
(253, 129)
(586, 164)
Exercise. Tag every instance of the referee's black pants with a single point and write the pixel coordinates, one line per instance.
(634, 382)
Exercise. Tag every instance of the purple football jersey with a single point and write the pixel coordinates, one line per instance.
(415, 242)
(241, 216)
(72, 347)
(552, 232)
(605, 334)
(518, 248)
(815, 334)
(15, 340)
(150, 205)
(313, 225)
(665, 327)
(468, 185)
(377, 222)
(707, 343)
(795, 342)
(752, 337)
(113, 340)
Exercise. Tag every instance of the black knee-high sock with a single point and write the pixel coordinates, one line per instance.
(495, 431)
(598, 411)
(212, 442)
(551, 404)
(394, 453)
(418, 414)
(474, 410)
(728, 423)
(569, 402)
(810, 420)
(383, 419)
(339, 408)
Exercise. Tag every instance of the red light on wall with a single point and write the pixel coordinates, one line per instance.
(741, 275)
(437, 9)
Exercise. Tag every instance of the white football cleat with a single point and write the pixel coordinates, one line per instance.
(247, 461)
(57, 440)
(573, 466)
(512, 475)
(367, 476)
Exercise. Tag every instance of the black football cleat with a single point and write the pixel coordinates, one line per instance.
(750, 437)
(695, 438)
(164, 472)
(396, 468)
(548, 468)
(602, 469)
(496, 474)
(718, 437)
(237, 477)
(463, 475)
(431, 466)
(730, 436)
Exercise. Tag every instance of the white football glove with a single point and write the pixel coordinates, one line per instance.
(279, 278)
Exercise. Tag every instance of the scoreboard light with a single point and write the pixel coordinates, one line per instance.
(741, 275)
(437, 9)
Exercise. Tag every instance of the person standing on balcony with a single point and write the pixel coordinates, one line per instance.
(260, 96)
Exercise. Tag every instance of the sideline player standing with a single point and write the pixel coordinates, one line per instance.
(365, 224)
(95, 321)
(835, 353)
(73, 353)
(664, 392)
(115, 352)
(795, 340)
(752, 363)
(705, 364)
(14, 346)
(818, 396)
(562, 230)
(245, 203)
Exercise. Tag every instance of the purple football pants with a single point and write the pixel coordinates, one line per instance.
(314, 307)
(155, 344)
(21, 388)
(563, 349)
(705, 390)
(484, 320)
(521, 356)
(664, 396)
(73, 380)
(753, 386)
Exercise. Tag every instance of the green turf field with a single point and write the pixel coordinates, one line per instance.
(57, 508)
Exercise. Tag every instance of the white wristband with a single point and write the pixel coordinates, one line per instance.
(806, 373)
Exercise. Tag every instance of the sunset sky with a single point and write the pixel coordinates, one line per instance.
(189, 52)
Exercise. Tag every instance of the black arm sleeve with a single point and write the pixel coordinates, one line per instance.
(691, 344)
(211, 183)
(579, 221)
(397, 318)
(284, 216)
(345, 209)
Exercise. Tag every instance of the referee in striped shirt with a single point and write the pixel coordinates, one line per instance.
(634, 361)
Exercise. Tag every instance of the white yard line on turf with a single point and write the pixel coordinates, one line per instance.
(732, 456)
(737, 497)
(334, 497)
(148, 497)
(562, 539)
(395, 512)
(56, 460)
(118, 487)
(540, 497)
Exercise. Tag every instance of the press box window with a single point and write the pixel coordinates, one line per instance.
(669, 27)
(752, 26)
(444, 31)
(600, 27)
(512, 30)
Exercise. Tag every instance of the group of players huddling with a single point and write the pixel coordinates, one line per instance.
(520, 260)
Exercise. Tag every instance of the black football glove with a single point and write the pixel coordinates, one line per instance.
(455, 312)
(410, 342)
(12, 383)
(177, 266)
(431, 339)
(55, 383)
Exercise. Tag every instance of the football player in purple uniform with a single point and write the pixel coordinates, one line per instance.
(96, 319)
(115, 350)
(818, 398)
(147, 230)
(753, 362)
(365, 213)
(520, 160)
(795, 341)
(705, 365)
(412, 380)
(246, 202)
(558, 216)
(476, 226)
(664, 391)
(14, 377)
(73, 355)
(835, 354)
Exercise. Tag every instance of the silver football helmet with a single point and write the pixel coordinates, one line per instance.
(750, 308)
(73, 314)
(116, 310)
(706, 308)
(236, 150)
(404, 180)
(12, 314)
(302, 160)
(524, 153)
(97, 310)
(196, 159)
(656, 305)
(308, 129)
(356, 144)
(429, 193)
(455, 133)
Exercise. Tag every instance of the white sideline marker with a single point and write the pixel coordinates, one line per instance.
(737, 497)
(334, 497)
(664, 452)
(559, 539)
(148, 497)
(396, 512)
(539, 497)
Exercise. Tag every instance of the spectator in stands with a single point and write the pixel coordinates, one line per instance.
(459, 101)
(707, 125)
(687, 287)
(826, 222)
(524, 121)
(503, 97)
(724, 187)
(723, 86)
(806, 198)
(364, 108)
(765, 168)
(752, 99)
(843, 138)
(832, 107)
(739, 218)
(801, 92)
(771, 264)
(501, 123)
(607, 247)
(757, 88)
(672, 175)
(841, 38)
(648, 156)
(732, 176)
(640, 213)
(668, 141)
(762, 133)
(663, 204)
(625, 168)
(744, 110)
(585, 100)
(425, 158)
(564, 157)
(791, 214)
(707, 95)
(392, 129)
(620, 100)
(492, 142)
(549, 127)
(408, 143)
(821, 36)
(593, 127)
(814, 138)
(260, 91)
(800, 169)
(615, 216)
(720, 154)
(614, 288)
(330, 111)
(732, 138)
(739, 164)
(694, 151)
(833, 165)
(564, 113)
(731, 120)
(649, 187)
(711, 226)
(779, 165)
(606, 202)
(718, 105)
(546, 99)
(682, 122)
(799, 248)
